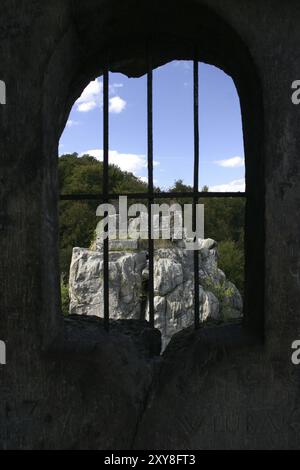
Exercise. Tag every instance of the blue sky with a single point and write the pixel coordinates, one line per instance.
(221, 138)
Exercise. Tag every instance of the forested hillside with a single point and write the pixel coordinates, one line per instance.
(78, 218)
(224, 217)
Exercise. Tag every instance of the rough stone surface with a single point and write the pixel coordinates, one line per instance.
(225, 387)
(125, 277)
(173, 287)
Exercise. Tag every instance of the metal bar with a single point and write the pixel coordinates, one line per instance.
(156, 195)
(196, 190)
(150, 195)
(150, 189)
(105, 192)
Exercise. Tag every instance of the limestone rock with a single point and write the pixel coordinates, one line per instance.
(173, 286)
(125, 276)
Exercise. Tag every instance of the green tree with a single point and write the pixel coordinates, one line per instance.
(223, 222)
(83, 175)
(231, 261)
(65, 300)
(224, 217)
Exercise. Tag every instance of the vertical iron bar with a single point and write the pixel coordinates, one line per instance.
(196, 189)
(105, 192)
(150, 188)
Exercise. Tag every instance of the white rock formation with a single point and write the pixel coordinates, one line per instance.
(125, 277)
(173, 286)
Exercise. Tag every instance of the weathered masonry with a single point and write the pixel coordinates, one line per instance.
(68, 383)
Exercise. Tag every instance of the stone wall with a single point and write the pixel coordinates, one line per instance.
(69, 384)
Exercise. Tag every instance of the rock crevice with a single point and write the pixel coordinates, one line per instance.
(173, 285)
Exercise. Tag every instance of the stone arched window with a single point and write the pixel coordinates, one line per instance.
(185, 285)
(135, 42)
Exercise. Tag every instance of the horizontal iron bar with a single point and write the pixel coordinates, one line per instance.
(161, 195)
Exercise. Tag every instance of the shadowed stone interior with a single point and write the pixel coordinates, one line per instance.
(69, 384)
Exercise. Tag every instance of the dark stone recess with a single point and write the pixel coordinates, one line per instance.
(68, 384)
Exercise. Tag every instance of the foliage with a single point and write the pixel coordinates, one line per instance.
(83, 175)
(65, 300)
(231, 261)
(222, 292)
(223, 222)
(224, 217)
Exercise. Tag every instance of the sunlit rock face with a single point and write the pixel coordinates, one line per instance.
(125, 277)
(173, 285)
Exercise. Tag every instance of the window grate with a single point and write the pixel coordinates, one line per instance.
(105, 192)
(150, 195)
(196, 190)
(150, 189)
(145, 195)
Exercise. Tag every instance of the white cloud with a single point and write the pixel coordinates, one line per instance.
(134, 163)
(116, 105)
(92, 98)
(86, 107)
(126, 161)
(234, 162)
(71, 123)
(233, 186)
(113, 86)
